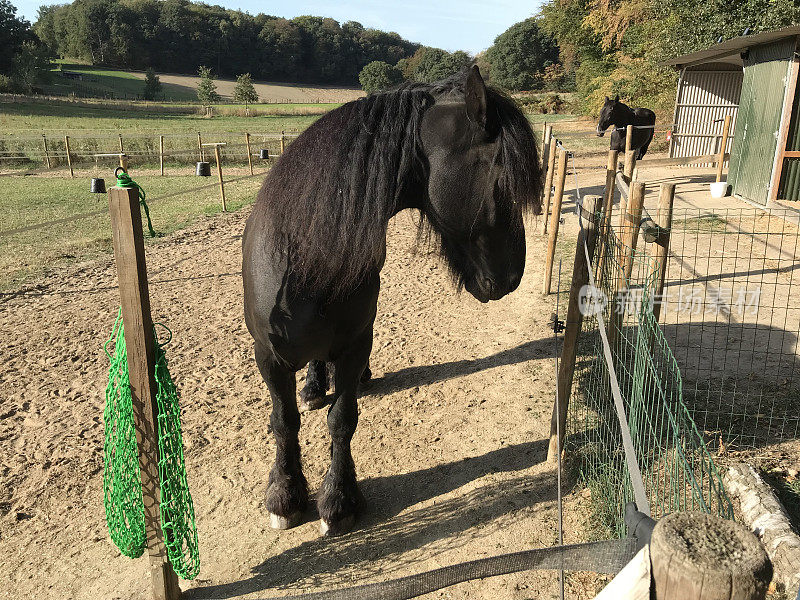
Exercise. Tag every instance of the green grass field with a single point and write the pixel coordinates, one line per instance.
(30, 200)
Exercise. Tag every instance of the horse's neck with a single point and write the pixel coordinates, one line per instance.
(628, 115)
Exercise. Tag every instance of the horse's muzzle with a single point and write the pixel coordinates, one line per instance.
(600, 133)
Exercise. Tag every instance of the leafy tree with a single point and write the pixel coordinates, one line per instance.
(379, 75)
(152, 85)
(245, 91)
(14, 33)
(435, 64)
(31, 65)
(207, 89)
(520, 55)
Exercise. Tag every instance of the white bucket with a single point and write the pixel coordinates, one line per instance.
(719, 189)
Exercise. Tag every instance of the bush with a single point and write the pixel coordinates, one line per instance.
(378, 75)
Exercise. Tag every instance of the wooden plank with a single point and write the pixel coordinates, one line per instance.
(555, 219)
(126, 228)
(566, 368)
(786, 118)
(684, 160)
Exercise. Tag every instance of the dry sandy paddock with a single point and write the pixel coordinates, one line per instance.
(450, 447)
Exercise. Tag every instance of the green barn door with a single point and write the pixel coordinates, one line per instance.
(760, 108)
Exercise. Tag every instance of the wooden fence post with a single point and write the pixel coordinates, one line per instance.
(608, 202)
(684, 568)
(161, 154)
(249, 152)
(69, 156)
(283, 141)
(627, 175)
(664, 221)
(122, 162)
(555, 219)
(46, 152)
(628, 138)
(726, 129)
(566, 367)
(548, 182)
(546, 137)
(630, 219)
(219, 174)
(200, 147)
(126, 229)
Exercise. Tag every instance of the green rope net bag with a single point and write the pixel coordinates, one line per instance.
(122, 484)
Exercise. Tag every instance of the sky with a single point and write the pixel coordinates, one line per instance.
(469, 25)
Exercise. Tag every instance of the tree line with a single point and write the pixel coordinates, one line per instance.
(181, 36)
(611, 47)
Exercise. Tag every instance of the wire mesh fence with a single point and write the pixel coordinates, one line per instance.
(677, 469)
(731, 316)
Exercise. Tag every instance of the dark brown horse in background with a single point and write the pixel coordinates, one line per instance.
(460, 153)
(621, 115)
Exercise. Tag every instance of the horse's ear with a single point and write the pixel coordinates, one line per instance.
(476, 97)
(616, 99)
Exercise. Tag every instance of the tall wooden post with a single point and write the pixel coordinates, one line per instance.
(546, 137)
(219, 175)
(161, 154)
(283, 141)
(46, 152)
(548, 182)
(628, 138)
(566, 367)
(627, 174)
(664, 221)
(126, 229)
(630, 219)
(249, 152)
(726, 129)
(608, 202)
(555, 219)
(122, 162)
(200, 147)
(69, 156)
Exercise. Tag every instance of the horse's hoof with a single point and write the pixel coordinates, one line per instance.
(312, 402)
(338, 527)
(278, 522)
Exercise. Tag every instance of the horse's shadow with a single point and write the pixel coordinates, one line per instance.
(413, 536)
(422, 375)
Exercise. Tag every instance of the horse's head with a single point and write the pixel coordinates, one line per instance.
(609, 115)
(483, 172)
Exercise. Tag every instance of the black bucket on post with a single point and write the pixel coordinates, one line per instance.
(263, 154)
(97, 186)
(203, 169)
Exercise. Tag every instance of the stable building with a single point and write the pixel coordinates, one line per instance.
(753, 78)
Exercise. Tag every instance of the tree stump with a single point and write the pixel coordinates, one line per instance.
(696, 556)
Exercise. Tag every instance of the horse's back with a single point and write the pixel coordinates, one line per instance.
(644, 116)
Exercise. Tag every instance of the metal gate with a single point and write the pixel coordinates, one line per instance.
(766, 69)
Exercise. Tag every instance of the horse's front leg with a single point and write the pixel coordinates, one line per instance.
(287, 490)
(339, 499)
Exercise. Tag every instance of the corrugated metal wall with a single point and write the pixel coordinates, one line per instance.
(790, 178)
(706, 95)
(763, 89)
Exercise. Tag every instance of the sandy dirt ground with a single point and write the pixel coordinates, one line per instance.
(450, 448)
(269, 91)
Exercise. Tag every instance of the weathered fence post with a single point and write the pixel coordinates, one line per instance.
(726, 129)
(161, 154)
(630, 220)
(69, 156)
(283, 141)
(46, 152)
(627, 175)
(608, 201)
(628, 138)
(566, 367)
(548, 182)
(200, 147)
(664, 222)
(555, 219)
(126, 229)
(546, 137)
(249, 153)
(219, 173)
(686, 561)
(122, 162)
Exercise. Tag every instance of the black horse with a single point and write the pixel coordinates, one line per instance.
(459, 152)
(621, 115)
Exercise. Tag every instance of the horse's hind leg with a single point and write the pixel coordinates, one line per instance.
(312, 396)
(287, 490)
(339, 499)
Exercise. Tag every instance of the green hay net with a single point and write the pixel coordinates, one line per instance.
(122, 484)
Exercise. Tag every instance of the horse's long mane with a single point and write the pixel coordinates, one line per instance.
(328, 200)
